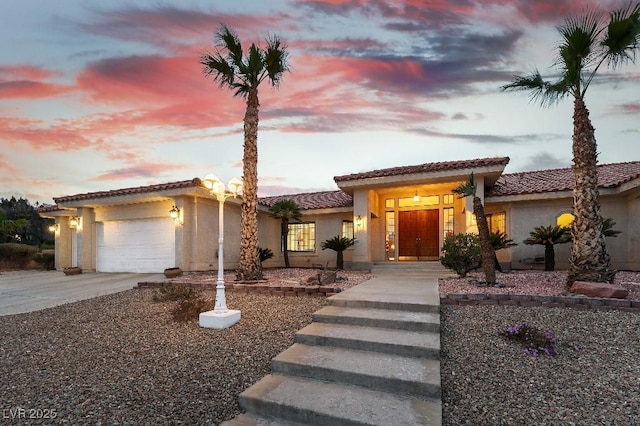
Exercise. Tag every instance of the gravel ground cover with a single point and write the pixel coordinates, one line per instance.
(489, 380)
(120, 359)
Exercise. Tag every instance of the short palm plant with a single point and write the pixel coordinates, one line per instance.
(339, 245)
(499, 241)
(549, 236)
(285, 210)
(468, 189)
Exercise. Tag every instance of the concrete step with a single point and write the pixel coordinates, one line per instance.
(248, 420)
(384, 340)
(418, 377)
(375, 303)
(313, 402)
(384, 318)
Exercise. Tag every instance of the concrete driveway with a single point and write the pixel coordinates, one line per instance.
(28, 291)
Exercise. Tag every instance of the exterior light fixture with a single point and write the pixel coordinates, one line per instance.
(416, 198)
(358, 221)
(54, 228)
(74, 222)
(174, 213)
(221, 316)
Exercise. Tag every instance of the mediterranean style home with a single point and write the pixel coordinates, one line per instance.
(396, 214)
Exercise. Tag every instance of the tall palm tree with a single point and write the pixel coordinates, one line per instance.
(232, 69)
(285, 210)
(587, 42)
(469, 189)
(549, 236)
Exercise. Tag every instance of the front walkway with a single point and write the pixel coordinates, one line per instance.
(370, 357)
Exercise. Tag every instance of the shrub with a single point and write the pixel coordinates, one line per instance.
(47, 260)
(189, 309)
(15, 255)
(461, 253)
(534, 341)
(173, 292)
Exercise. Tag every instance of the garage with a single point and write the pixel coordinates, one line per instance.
(142, 246)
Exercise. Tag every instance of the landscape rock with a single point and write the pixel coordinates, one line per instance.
(593, 289)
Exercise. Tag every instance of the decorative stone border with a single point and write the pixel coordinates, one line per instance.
(272, 290)
(575, 302)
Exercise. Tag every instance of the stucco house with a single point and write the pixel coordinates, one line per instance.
(396, 214)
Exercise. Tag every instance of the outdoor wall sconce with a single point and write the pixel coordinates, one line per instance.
(54, 228)
(74, 222)
(416, 198)
(359, 222)
(174, 213)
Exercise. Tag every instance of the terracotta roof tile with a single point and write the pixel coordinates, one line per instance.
(552, 180)
(127, 191)
(426, 168)
(313, 200)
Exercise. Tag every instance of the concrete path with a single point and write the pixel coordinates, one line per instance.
(372, 357)
(28, 291)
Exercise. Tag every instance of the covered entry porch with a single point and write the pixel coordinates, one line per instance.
(404, 214)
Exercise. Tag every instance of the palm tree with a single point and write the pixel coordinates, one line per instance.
(285, 210)
(339, 245)
(549, 236)
(232, 69)
(587, 42)
(469, 189)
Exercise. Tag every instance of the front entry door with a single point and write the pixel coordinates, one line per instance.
(418, 235)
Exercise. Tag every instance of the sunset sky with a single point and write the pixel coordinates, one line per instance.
(99, 95)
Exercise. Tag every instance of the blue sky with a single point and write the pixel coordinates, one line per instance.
(104, 95)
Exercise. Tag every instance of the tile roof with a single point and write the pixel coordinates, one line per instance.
(552, 180)
(127, 191)
(313, 200)
(426, 168)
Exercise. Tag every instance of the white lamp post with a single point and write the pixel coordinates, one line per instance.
(221, 316)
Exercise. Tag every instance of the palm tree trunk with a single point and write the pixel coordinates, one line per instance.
(284, 231)
(249, 268)
(488, 253)
(340, 260)
(589, 259)
(549, 257)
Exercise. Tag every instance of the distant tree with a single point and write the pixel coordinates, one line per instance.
(587, 42)
(20, 222)
(469, 189)
(233, 70)
(286, 211)
(549, 236)
(339, 245)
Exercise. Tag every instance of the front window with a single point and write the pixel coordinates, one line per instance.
(447, 219)
(497, 222)
(347, 229)
(302, 236)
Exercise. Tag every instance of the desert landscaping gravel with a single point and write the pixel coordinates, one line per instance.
(120, 359)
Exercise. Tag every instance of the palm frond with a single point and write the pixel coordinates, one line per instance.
(228, 40)
(541, 91)
(276, 59)
(466, 189)
(623, 35)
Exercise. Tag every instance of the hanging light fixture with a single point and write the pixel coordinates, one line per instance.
(174, 213)
(74, 221)
(416, 198)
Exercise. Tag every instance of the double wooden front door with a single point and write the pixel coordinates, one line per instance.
(418, 234)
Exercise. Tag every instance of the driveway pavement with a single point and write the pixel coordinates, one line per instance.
(28, 291)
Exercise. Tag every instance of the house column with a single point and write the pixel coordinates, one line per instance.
(86, 239)
(361, 230)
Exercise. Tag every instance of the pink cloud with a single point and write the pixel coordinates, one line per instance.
(138, 170)
(23, 81)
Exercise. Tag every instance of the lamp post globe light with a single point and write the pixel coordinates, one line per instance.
(221, 316)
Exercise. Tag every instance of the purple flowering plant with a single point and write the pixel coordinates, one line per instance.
(534, 341)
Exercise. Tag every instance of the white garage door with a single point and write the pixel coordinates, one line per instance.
(136, 245)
